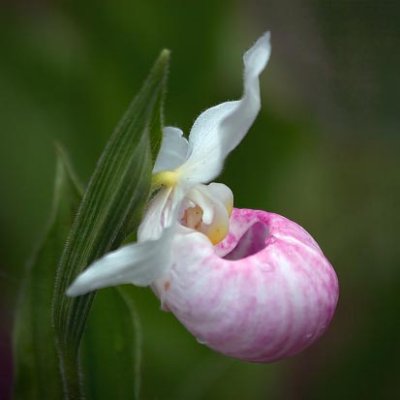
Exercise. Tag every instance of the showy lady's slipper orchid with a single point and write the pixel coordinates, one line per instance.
(249, 284)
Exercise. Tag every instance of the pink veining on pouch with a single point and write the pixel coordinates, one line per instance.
(264, 293)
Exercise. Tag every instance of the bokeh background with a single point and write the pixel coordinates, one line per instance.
(324, 151)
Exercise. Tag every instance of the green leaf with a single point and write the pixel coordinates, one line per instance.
(35, 358)
(111, 347)
(117, 189)
(156, 122)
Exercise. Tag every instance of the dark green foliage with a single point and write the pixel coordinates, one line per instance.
(36, 363)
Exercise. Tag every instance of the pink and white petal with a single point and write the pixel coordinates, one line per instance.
(139, 264)
(173, 150)
(218, 130)
(270, 304)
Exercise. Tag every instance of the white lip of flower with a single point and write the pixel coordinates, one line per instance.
(182, 169)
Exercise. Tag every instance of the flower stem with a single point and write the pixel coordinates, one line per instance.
(71, 376)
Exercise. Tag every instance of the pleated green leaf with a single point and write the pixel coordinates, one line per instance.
(117, 189)
(36, 373)
(111, 347)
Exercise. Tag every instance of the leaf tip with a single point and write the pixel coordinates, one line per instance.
(165, 55)
(163, 59)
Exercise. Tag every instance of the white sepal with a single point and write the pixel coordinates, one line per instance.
(218, 130)
(139, 264)
(173, 150)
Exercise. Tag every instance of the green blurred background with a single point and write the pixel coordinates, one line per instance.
(324, 151)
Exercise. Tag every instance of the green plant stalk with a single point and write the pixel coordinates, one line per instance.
(118, 188)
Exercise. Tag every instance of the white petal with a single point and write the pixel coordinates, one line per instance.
(139, 264)
(173, 150)
(162, 211)
(222, 193)
(218, 130)
(156, 216)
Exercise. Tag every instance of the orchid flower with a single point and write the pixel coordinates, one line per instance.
(249, 284)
